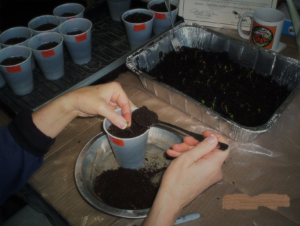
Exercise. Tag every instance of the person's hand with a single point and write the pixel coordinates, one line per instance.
(197, 167)
(103, 100)
(52, 118)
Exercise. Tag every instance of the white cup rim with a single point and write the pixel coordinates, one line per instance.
(15, 46)
(52, 16)
(13, 28)
(139, 9)
(65, 5)
(42, 34)
(161, 1)
(70, 21)
(128, 139)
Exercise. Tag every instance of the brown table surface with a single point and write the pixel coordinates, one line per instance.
(269, 165)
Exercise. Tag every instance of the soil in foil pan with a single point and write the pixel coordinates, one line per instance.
(126, 188)
(215, 80)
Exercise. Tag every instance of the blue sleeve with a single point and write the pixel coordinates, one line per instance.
(22, 147)
(16, 165)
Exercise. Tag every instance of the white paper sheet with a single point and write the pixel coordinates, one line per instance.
(221, 13)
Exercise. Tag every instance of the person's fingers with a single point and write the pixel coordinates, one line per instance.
(203, 148)
(219, 137)
(190, 141)
(115, 118)
(181, 147)
(120, 98)
(173, 153)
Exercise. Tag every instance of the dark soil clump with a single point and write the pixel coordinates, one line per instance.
(48, 45)
(235, 92)
(45, 27)
(138, 18)
(68, 14)
(126, 188)
(13, 41)
(161, 7)
(133, 131)
(144, 117)
(75, 32)
(13, 61)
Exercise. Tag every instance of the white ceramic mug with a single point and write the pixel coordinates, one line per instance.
(266, 27)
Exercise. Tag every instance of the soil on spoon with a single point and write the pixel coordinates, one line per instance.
(68, 14)
(75, 32)
(126, 188)
(144, 117)
(13, 41)
(138, 18)
(48, 45)
(213, 79)
(162, 7)
(45, 27)
(13, 61)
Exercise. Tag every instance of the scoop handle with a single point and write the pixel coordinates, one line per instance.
(198, 137)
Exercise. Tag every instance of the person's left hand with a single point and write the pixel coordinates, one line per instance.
(103, 100)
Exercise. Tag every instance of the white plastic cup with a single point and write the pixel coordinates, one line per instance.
(68, 8)
(162, 21)
(2, 81)
(129, 152)
(51, 61)
(19, 77)
(38, 21)
(138, 33)
(79, 46)
(117, 8)
(17, 32)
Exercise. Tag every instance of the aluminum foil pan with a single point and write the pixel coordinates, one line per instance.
(283, 69)
(97, 156)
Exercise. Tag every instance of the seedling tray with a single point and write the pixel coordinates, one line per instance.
(284, 70)
(110, 49)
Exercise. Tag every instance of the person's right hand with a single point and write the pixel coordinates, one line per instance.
(195, 169)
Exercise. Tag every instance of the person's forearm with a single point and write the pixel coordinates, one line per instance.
(164, 211)
(52, 118)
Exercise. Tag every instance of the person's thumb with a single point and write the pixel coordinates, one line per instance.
(203, 148)
(115, 118)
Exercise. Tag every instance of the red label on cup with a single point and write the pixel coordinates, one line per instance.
(160, 16)
(80, 38)
(14, 69)
(117, 141)
(139, 27)
(263, 35)
(48, 53)
(73, 17)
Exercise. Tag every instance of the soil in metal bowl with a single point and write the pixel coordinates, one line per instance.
(161, 7)
(13, 41)
(235, 92)
(13, 61)
(48, 45)
(126, 188)
(138, 18)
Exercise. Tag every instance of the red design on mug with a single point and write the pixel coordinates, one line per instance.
(262, 35)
